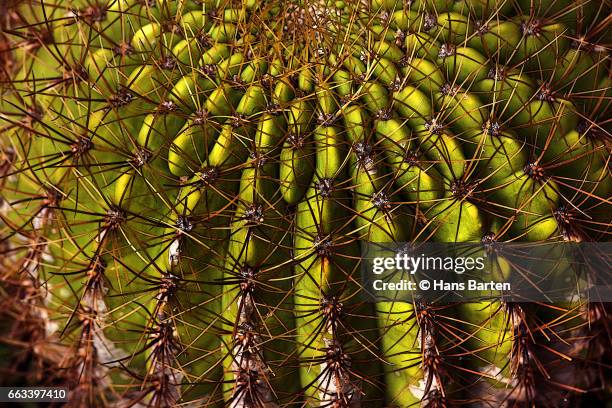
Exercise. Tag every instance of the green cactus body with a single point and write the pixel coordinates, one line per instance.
(187, 186)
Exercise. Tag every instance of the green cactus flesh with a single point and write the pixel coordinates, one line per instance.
(186, 185)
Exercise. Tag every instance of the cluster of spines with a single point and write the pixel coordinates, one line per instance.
(375, 80)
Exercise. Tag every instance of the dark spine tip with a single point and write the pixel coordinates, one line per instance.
(331, 307)
(363, 151)
(209, 71)
(411, 157)
(492, 128)
(365, 157)
(384, 114)
(326, 119)
(400, 38)
(323, 246)
(267, 81)
(167, 107)
(429, 21)
(532, 27)
(461, 189)
(208, 175)
(81, 146)
(324, 187)
(53, 197)
(546, 93)
(449, 89)
(114, 217)
(238, 120)
(447, 50)
(167, 63)
(124, 49)
(254, 214)
(200, 116)
(404, 61)
(336, 358)
(258, 159)
(396, 85)
(489, 242)
(381, 201)
(184, 223)
(123, 97)
(237, 82)
(488, 238)
(497, 73)
(582, 127)
(172, 27)
(295, 141)
(35, 113)
(92, 14)
(141, 157)
(168, 286)
(273, 108)
(434, 127)
(360, 79)
(482, 27)
(98, 265)
(204, 40)
(535, 171)
(247, 279)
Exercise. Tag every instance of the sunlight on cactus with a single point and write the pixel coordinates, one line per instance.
(186, 186)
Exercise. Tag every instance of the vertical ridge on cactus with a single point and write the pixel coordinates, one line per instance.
(186, 186)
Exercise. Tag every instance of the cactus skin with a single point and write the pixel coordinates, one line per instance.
(185, 186)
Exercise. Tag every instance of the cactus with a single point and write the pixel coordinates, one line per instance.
(186, 186)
